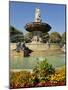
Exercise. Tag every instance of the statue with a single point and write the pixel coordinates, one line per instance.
(18, 46)
(37, 15)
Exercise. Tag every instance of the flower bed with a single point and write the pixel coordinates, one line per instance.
(43, 75)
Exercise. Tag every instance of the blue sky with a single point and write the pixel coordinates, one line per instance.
(22, 13)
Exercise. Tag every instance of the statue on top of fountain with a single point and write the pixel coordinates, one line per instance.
(37, 15)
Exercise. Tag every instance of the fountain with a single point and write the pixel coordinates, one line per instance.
(19, 59)
(37, 28)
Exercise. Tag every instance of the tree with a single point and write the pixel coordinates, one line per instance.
(55, 37)
(64, 37)
(15, 35)
(17, 38)
(14, 31)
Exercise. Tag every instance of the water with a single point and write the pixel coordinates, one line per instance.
(31, 62)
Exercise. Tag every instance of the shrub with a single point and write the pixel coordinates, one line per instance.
(19, 79)
(44, 69)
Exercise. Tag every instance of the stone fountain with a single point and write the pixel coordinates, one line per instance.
(37, 28)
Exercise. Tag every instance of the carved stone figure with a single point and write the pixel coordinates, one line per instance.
(37, 15)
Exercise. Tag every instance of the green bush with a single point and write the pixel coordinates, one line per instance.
(43, 70)
(55, 37)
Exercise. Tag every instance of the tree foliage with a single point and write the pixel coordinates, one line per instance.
(15, 35)
(14, 31)
(55, 37)
(64, 37)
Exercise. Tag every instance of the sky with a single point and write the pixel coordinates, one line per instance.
(21, 13)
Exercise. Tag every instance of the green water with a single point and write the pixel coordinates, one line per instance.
(31, 62)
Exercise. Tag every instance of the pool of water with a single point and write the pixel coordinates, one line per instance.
(31, 62)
